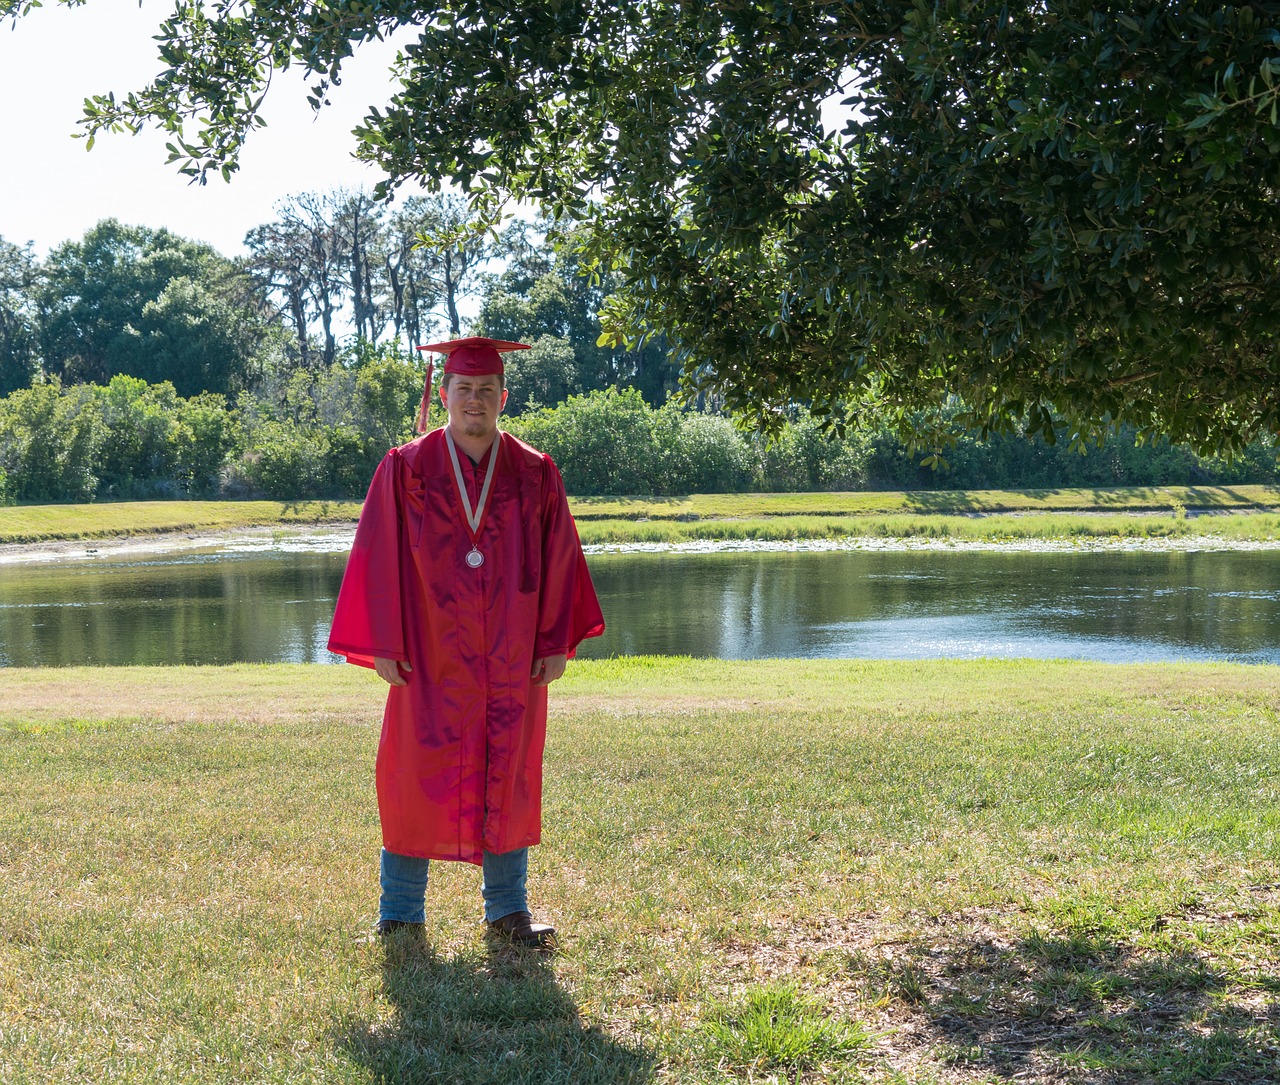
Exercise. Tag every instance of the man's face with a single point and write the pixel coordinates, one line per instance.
(474, 403)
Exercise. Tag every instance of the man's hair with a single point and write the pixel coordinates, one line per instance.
(446, 377)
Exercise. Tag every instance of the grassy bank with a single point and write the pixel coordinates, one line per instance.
(973, 514)
(103, 520)
(822, 871)
(1242, 527)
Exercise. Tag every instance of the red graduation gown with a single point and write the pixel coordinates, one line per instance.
(459, 768)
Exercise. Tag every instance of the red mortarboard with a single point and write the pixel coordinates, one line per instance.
(475, 356)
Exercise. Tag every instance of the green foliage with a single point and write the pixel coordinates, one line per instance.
(603, 442)
(804, 456)
(149, 304)
(203, 439)
(286, 461)
(1060, 213)
(49, 442)
(699, 453)
(545, 374)
(536, 297)
(19, 348)
(388, 390)
(321, 433)
(128, 439)
(138, 423)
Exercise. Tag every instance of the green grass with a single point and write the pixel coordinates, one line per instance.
(961, 871)
(1243, 527)
(922, 502)
(971, 514)
(42, 523)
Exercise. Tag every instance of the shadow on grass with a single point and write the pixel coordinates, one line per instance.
(494, 1018)
(941, 502)
(1089, 1008)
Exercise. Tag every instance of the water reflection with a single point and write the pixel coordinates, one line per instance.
(275, 607)
(911, 605)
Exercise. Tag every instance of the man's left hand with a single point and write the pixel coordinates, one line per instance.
(547, 669)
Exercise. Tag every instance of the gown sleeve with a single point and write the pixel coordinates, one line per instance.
(568, 610)
(367, 620)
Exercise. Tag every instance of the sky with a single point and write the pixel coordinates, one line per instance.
(52, 189)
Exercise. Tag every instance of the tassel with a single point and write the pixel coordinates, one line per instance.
(425, 405)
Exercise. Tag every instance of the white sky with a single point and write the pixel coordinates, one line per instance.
(51, 189)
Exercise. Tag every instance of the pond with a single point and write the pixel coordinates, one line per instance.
(249, 604)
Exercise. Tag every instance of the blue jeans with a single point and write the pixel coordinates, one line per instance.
(404, 885)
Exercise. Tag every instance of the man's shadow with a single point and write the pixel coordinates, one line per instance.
(1090, 1007)
(484, 1017)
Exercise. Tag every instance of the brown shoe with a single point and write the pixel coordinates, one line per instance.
(519, 928)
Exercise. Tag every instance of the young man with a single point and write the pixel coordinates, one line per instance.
(466, 590)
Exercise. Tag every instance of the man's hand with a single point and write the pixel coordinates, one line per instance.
(389, 670)
(547, 669)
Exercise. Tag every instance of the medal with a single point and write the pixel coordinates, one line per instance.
(474, 558)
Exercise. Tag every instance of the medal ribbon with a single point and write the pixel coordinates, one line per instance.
(474, 519)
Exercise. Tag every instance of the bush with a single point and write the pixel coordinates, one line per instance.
(351, 457)
(602, 442)
(388, 390)
(204, 437)
(49, 443)
(284, 461)
(139, 446)
(699, 453)
(805, 458)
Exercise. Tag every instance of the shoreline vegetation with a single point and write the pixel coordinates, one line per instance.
(835, 871)
(1245, 513)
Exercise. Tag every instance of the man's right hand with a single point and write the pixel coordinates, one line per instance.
(389, 670)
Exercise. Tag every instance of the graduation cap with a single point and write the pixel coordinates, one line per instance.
(475, 356)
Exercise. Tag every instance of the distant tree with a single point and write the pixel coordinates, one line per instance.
(150, 304)
(19, 357)
(543, 375)
(361, 239)
(544, 292)
(309, 223)
(278, 261)
(414, 292)
(457, 247)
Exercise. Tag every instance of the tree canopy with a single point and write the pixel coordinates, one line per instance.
(150, 304)
(1063, 212)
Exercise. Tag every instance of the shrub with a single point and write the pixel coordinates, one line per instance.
(804, 457)
(699, 453)
(602, 442)
(286, 462)
(49, 443)
(204, 437)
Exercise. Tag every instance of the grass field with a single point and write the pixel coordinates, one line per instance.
(832, 871)
(971, 514)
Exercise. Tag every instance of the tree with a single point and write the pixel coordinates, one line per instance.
(305, 245)
(456, 247)
(19, 359)
(361, 238)
(414, 293)
(150, 304)
(1062, 212)
(536, 297)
